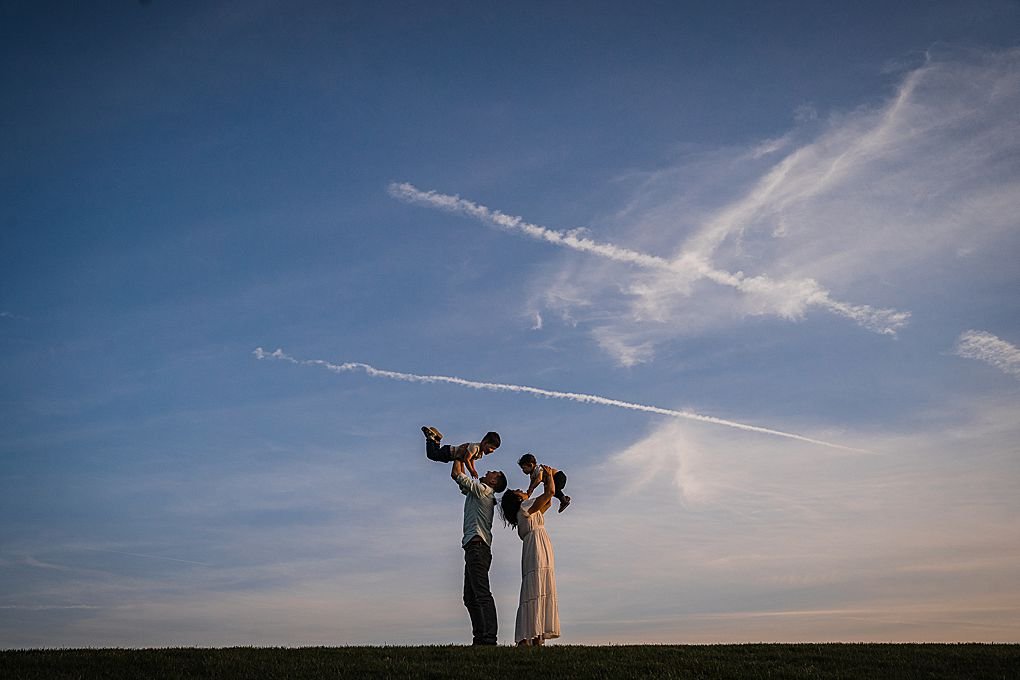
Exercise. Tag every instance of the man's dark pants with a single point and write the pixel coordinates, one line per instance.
(477, 597)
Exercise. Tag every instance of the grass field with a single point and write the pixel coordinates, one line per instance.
(744, 662)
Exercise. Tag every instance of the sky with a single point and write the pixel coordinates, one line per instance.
(746, 272)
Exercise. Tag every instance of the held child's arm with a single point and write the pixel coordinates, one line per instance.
(471, 467)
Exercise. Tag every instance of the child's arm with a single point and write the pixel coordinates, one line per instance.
(471, 467)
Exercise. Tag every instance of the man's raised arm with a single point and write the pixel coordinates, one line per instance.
(468, 484)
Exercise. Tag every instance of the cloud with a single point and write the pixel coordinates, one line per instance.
(148, 557)
(736, 530)
(46, 607)
(620, 348)
(259, 582)
(869, 205)
(990, 349)
(279, 354)
(883, 190)
(786, 298)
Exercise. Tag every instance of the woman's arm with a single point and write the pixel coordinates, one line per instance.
(543, 502)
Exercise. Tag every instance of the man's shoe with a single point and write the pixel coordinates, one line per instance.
(432, 434)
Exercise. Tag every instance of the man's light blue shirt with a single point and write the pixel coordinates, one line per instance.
(479, 504)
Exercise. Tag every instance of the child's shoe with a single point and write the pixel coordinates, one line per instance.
(564, 503)
(432, 434)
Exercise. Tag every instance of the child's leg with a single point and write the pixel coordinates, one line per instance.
(433, 449)
(439, 453)
(560, 478)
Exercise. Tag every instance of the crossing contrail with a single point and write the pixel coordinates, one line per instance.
(798, 292)
(540, 392)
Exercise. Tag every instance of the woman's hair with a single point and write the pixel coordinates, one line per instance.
(509, 505)
(527, 458)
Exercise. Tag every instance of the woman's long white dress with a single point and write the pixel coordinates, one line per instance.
(538, 614)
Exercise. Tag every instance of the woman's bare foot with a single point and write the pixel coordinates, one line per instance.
(538, 642)
(524, 643)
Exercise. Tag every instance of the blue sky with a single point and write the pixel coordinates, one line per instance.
(793, 216)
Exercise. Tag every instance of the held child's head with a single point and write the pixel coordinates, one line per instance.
(527, 463)
(490, 442)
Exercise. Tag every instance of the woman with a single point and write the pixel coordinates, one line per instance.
(538, 616)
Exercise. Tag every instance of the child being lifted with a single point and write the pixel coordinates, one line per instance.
(529, 466)
(466, 453)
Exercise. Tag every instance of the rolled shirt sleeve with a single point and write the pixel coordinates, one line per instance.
(473, 487)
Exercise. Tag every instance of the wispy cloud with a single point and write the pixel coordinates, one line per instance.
(847, 207)
(46, 607)
(763, 528)
(279, 354)
(148, 557)
(990, 349)
(620, 347)
(786, 298)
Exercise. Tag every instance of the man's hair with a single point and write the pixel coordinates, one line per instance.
(492, 438)
(500, 483)
(527, 458)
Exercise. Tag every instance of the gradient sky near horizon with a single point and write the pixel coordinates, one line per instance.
(799, 216)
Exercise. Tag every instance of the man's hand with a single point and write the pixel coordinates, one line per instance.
(458, 469)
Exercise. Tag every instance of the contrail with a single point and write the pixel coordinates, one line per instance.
(803, 291)
(537, 391)
(150, 557)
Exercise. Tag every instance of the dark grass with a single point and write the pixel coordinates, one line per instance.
(560, 662)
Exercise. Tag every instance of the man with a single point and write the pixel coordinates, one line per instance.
(479, 501)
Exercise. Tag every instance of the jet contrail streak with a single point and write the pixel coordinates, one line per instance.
(150, 557)
(412, 194)
(801, 292)
(537, 391)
